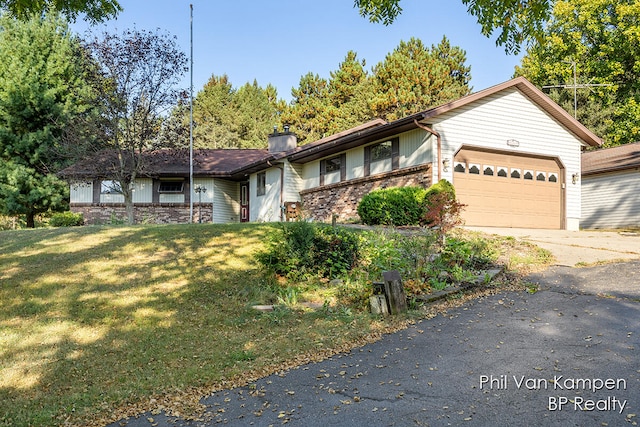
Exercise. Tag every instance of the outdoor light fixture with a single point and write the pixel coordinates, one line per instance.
(200, 189)
(574, 178)
(445, 165)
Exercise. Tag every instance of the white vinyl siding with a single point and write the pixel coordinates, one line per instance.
(81, 192)
(509, 115)
(143, 191)
(415, 148)
(265, 208)
(355, 163)
(205, 196)
(611, 200)
(226, 205)
(293, 182)
(311, 174)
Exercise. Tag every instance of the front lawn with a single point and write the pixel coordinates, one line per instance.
(101, 322)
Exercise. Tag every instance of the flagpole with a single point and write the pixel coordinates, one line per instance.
(191, 119)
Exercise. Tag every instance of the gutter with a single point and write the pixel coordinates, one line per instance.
(439, 143)
(311, 149)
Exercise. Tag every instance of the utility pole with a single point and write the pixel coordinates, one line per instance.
(191, 117)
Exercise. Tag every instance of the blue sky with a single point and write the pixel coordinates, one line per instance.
(279, 41)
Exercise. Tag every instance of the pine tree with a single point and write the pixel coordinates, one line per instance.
(42, 88)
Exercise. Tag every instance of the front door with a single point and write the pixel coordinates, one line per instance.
(244, 202)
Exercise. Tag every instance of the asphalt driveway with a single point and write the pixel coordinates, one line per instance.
(566, 355)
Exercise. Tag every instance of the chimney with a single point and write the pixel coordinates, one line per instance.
(282, 141)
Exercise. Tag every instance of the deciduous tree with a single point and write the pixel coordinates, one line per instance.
(136, 77)
(93, 10)
(602, 39)
(517, 20)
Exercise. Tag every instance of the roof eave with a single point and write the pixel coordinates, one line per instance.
(352, 140)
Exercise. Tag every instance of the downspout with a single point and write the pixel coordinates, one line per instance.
(281, 188)
(439, 144)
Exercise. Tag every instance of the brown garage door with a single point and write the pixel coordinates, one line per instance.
(507, 190)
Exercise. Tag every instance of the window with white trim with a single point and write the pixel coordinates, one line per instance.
(261, 184)
(171, 186)
(110, 187)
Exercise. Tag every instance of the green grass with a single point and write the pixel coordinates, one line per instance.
(101, 322)
(93, 319)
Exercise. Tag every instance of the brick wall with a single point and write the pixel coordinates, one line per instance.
(144, 214)
(342, 199)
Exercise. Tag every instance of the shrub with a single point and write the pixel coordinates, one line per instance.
(66, 219)
(393, 206)
(302, 248)
(442, 210)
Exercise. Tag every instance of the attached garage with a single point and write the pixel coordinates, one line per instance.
(507, 189)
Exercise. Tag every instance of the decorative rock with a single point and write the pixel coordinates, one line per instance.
(263, 308)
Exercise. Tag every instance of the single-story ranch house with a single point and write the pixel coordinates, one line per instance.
(512, 154)
(611, 187)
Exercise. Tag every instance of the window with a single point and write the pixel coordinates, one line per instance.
(382, 157)
(333, 164)
(171, 186)
(474, 169)
(110, 187)
(488, 170)
(333, 170)
(515, 173)
(553, 177)
(502, 172)
(460, 167)
(261, 184)
(381, 151)
(528, 175)
(541, 176)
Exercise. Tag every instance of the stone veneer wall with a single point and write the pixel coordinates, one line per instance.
(176, 213)
(342, 198)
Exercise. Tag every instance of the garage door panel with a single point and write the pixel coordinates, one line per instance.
(510, 201)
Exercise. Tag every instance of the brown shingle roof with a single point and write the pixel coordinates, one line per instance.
(611, 159)
(206, 162)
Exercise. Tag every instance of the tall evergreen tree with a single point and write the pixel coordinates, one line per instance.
(310, 111)
(226, 117)
(349, 90)
(413, 78)
(213, 116)
(257, 112)
(42, 88)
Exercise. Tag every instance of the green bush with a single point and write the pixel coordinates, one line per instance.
(66, 219)
(302, 248)
(393, 206)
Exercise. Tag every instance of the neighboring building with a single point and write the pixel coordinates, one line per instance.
(509, 151)
(611, 187)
